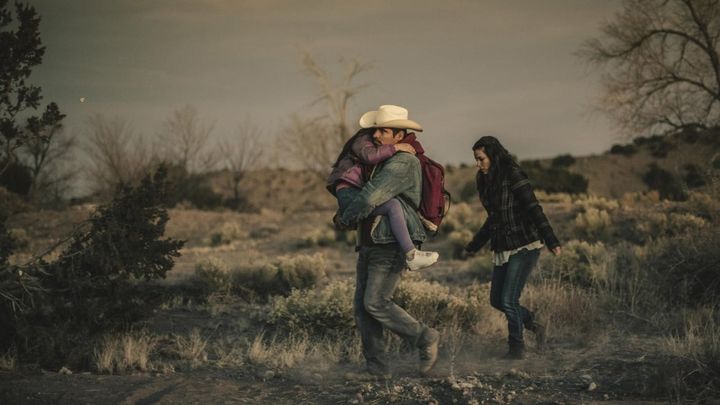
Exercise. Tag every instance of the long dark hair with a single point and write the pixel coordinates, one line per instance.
(501, 163)
(347, 148)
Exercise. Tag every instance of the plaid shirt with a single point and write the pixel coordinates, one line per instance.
(515, 218)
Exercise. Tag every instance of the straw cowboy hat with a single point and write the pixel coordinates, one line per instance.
(389, 116)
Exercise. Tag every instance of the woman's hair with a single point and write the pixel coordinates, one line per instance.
(501, 163)
(347, 148)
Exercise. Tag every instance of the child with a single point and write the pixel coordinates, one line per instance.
(346, 181)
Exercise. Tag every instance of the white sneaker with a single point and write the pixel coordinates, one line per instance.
(422, 259)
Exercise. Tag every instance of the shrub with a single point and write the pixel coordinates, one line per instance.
(16, 178)
(280, 276)
(324, 312)
(227, 233)
(213, 275)
(563, 161)
(124, 353)
(693, 176)
(555, 179)
(581, 263)
(91, 286)
(593, 224)
(433, 304)
(684, 267)
(318, 237)
(625, 150)
(457, 242)
(462, 216)
(588, 202)
(468, 192)
(665, 183)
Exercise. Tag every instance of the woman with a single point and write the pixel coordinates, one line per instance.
(517, 229)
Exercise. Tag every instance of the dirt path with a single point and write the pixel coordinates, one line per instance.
(561, 374)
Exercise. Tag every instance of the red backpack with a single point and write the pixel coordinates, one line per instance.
(435, 200)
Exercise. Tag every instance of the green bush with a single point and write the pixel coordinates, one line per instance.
(582, 264)
(694, 176)
(555, 179)
(213, 275)
(433, 304)
(324, 312)
(625, 150)
(280, 276)
(668, 185)
(47, 307)
(563, 161)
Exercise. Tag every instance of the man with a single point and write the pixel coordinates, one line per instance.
(380, 260)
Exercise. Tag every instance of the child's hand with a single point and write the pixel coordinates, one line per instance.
(404, 147)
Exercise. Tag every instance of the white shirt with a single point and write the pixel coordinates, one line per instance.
(500, 258)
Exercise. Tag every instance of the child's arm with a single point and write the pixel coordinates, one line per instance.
(371, 154)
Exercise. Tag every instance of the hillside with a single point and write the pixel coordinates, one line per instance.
(608, 174)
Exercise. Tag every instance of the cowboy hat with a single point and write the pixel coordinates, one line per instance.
(389, 116)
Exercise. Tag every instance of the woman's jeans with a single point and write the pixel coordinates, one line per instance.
(507, 283)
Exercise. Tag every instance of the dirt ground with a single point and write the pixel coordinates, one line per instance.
(618, 367)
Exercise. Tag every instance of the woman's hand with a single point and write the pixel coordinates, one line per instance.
(404, 147)
(556, 250)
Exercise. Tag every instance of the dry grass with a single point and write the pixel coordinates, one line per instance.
(119, 354)
(8, 361)
(192, 348)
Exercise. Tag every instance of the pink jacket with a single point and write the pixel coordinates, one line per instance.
(364, 152)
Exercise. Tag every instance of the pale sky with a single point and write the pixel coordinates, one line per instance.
(463, 68)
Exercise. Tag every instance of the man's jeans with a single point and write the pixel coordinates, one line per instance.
(507, 283)
(379, 270)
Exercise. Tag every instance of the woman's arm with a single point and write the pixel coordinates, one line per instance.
(522, 190)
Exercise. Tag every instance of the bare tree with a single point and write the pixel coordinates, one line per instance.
(315, 142)
(662, 64)
(116, 153)
(241, 154)
(184, 140)
(47, 152)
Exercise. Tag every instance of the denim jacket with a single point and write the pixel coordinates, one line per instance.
(399, 176)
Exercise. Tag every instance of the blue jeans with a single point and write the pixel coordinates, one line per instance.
(379, 269)
(507, 283)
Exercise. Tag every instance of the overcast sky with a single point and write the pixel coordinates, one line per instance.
(463, 68)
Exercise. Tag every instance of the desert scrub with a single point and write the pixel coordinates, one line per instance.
(324, 312)
(324, 236)
(581, 263)
(593, 224)
(695, 351)
(226, 233)
(566, 309)
(457, 240)
(280, 276)
(192, 348)
(124, 353)
(434, 304)
(463, 216)
(587, 202)
(213, 275)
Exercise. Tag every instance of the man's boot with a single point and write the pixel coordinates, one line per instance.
(428, 349)
(516, 351)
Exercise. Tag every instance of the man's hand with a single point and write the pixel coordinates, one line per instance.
(556, 250)
(404, 147)
(339, 225)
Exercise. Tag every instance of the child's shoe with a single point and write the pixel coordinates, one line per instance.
(421, 259)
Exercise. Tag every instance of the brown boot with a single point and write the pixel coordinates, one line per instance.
(428, 349)
(537, 326)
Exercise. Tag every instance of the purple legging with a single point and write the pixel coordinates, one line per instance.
(393, 209)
